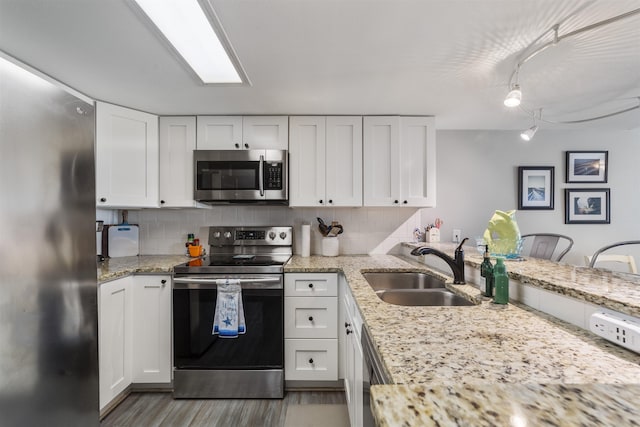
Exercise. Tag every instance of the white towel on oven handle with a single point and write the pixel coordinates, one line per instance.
(228, 318)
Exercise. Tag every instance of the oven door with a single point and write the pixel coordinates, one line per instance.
(260, 347)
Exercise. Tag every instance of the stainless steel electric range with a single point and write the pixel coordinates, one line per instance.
(251, 365)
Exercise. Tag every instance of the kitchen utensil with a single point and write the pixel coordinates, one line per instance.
(334, 229)
(324, 228)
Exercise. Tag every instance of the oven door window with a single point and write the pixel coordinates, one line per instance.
(195, 347)
(235, 175)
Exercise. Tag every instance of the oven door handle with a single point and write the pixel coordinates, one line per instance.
(198, 283)
(261, 174)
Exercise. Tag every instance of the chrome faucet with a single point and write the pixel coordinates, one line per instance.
(456, 263)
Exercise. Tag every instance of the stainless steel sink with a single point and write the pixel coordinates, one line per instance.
(430, 297)
(389, 280)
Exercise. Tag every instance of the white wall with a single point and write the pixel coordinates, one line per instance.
(478, 173)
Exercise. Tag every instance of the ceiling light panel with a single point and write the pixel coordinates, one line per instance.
(186, 27)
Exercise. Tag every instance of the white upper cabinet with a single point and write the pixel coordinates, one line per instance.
(243, 132)
(177, 142)
(399, 161)
(325, 163)
(126, 158)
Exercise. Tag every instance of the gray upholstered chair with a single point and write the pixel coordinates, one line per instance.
(544, 245)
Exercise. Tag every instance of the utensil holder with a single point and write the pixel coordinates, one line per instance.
(330, 246)
(433, 235)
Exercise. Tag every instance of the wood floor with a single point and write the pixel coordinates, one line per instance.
(160, 409)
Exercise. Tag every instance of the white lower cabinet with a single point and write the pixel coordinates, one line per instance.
(351, 355)
(115, 309)
(134, 333)
(311, 330)
(151, 329)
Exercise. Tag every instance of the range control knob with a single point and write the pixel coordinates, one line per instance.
(227, 234)
(216, 234)
(283, 235)
(272, 235)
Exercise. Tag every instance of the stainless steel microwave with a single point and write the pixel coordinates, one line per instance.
(241, 176)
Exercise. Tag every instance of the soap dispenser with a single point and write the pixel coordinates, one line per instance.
(501, 281)
(486, 271)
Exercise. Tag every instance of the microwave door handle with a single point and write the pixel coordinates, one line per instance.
(261, 174)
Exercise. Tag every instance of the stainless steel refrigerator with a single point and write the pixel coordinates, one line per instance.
(48, 285)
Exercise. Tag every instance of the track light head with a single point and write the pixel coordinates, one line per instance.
(513, 97)
(527, 135)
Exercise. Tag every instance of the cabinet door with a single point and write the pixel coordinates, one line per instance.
(418, 161)
(381, 138)
(177, 142)
(219, 132)
(126, 157)
(344, 161)
(307, 161)
(114, 338)
(265, 132)
(152, 329)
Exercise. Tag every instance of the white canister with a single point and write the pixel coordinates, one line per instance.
(305, 240)
(330, 246)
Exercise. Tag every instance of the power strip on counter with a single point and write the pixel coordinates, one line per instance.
(618, 328)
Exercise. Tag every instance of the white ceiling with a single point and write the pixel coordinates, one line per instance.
(447, 58)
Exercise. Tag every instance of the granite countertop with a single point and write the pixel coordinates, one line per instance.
(453, 349)
(617, 291)
(115, 268)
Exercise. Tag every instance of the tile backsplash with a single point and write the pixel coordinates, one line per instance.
(366, 230)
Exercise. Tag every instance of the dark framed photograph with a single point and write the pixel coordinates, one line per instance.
(587, 206)
(587, 166)
(535, 187)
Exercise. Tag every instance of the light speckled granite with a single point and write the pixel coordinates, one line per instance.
(115, 268)
(617, 291)
(479, 346)
(507, 405)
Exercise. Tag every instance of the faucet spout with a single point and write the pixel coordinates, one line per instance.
(456, 263)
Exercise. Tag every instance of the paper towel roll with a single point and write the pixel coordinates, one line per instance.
(305, 246)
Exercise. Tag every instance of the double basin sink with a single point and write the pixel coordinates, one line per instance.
(418, 289)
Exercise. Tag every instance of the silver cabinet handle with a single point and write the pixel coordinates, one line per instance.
(261, 173)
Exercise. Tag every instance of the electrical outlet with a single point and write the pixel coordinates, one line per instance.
(456, 235)
(618, 328)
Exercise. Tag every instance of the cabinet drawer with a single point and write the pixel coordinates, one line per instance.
(310, 284)
(311, 360)
(310, 317)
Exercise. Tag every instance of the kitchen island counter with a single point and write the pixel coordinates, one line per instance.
(477, 347)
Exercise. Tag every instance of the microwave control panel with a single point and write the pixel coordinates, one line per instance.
(273, 176)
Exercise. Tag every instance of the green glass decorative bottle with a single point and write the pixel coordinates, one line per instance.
(486, 271)
(501, 281)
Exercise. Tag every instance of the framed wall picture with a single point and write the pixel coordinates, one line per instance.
(587, 206)
(587, 166)
(535, 187)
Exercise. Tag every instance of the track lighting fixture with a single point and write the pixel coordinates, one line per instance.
(528, 134)
(513, 97)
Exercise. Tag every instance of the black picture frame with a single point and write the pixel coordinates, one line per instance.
(536, 187)
(587, 206)
(587, 167)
